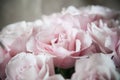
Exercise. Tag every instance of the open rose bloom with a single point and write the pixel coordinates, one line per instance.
(85, 40)
(95, 67)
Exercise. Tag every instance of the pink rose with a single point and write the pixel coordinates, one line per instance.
(13, 40)
(61, 37)
(95, 67)
(26, 66)
(61, 42)
(15, 36)
(103, 36)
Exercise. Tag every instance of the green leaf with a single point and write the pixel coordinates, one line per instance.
(66, 73)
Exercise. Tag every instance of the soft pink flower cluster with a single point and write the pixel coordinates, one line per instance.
(87, 39)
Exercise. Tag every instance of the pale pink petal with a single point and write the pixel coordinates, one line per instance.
(55, 77)
(15, 36)
(104, 37)
(95, 67)
(27, 66)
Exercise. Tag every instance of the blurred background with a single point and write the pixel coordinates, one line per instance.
(29, 10)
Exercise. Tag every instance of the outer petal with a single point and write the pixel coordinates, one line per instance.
(29, 67)
(104, 37)
(15, 36)
(96, 67)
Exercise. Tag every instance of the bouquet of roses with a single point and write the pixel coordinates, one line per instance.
(75, 44)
